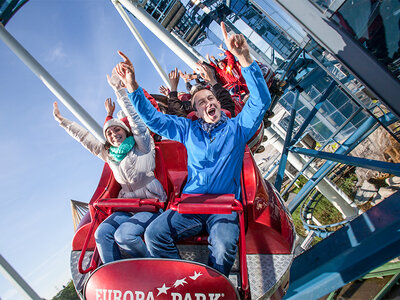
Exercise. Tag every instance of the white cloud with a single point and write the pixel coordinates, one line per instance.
(56, 53)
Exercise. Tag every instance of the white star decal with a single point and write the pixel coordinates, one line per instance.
(180, 282)
(162, 290)
(195, 276)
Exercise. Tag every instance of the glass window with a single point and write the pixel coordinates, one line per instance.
(348, 109)
(337, 119)
(337, 98)
(375, 25)
(322, 4)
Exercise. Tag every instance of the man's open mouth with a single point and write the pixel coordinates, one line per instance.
(211, 112)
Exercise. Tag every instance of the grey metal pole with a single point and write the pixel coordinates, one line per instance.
(160, 32)
(52, 84)
(12, 275)
(141, 42)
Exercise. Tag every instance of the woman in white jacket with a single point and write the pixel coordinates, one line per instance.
(131, 156)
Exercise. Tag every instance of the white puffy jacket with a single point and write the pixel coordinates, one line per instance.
(135, 173)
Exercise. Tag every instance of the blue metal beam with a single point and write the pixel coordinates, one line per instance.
(313, 112)
(285, 151)
(381, 166)
(362, 245)
(323, 147)
(353, 141)
(7, 11)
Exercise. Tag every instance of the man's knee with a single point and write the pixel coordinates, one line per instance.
(104, 231)
(152, 233)
(223, 246)
(224, 238)
(122, 237)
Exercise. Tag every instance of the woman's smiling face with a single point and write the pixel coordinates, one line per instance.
(115, 135)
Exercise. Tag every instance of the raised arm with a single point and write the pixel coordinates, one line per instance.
(164, 90)
(139, 130)
(171, 127)
(80, 134)
(175, 106)
(187, 78)
(260, 99)
(110, 107)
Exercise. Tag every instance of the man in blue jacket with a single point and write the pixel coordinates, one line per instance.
(215, 147)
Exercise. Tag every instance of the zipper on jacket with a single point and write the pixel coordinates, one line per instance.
(211, 139)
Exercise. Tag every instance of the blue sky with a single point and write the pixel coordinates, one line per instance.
(43, 167)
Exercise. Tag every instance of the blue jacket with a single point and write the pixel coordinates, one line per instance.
(214, 161)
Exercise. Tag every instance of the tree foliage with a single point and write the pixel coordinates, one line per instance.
(67, 293)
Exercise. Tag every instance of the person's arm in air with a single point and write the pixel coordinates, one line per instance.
(260, 99)
(187, 78)
(110, 108)
(171, 127)
(211, 62)
(175, 106)
(164, 90)
(80, 134)
(139, 130)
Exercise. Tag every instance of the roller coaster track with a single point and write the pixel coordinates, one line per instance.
(306, 214)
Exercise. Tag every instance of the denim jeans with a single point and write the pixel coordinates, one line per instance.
(123, 230)
(170, 227)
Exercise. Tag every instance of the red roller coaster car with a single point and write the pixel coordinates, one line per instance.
(265, 251)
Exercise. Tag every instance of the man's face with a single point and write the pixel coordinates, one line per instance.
(207, 106)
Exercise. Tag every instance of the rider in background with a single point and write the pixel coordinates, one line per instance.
(180, 104)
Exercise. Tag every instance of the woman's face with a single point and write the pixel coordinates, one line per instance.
(115, 135)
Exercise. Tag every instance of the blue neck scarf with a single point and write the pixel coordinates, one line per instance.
(119, 153)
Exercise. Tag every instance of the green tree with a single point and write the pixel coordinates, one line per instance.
(67, 293)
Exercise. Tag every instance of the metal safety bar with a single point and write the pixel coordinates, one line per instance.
(112, 204)
(93, 264)
(122, 203)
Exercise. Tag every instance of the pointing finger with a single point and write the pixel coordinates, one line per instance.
(126, 59)
(224, 33)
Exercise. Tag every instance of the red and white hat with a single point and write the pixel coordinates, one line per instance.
(123, 123)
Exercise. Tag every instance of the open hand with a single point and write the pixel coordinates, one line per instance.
(206, 72)
(56, 112)
(114, 81)
(186, 77)
(110, 107)
(164, 90)
(174, 79)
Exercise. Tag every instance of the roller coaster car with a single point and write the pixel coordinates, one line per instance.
(261, 269)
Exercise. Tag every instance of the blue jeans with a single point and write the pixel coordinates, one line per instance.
(123, 230)
(170, 227)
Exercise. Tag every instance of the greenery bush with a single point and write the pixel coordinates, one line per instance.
(67, 293)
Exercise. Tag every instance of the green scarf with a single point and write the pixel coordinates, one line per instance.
(119, 153)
